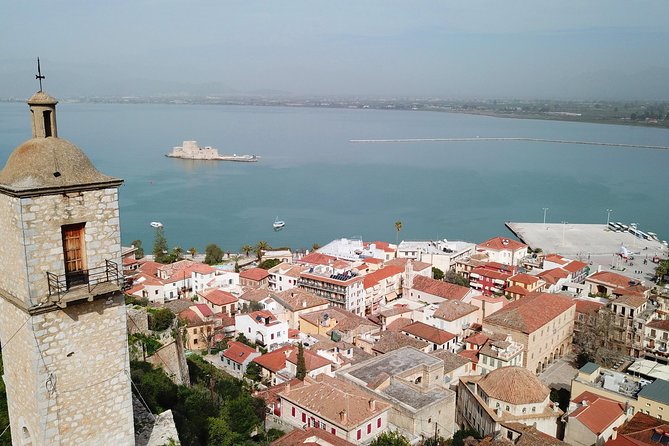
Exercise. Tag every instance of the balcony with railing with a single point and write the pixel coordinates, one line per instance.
(85, 284)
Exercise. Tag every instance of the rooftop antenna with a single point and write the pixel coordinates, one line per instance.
(39, 76)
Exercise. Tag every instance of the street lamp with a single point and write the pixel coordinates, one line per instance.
(545, 209)
(608, 216)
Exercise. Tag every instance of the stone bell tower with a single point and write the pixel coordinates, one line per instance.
(62, 314)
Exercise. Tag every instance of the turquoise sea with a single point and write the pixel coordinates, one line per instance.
(325, 187)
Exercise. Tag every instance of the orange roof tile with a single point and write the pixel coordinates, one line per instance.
(439, 288)
(598, 413)
(428, 333)
(238, 352)
(310, 437)
(316, 258)
(516, 289)
(553, 275)
(218, 297)
(575, 266)
(524, 279)
(532, 312)
(586, 306)
(500, 244)
(256, 274)
(377, 276)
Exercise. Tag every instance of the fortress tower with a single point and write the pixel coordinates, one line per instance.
(62, 314)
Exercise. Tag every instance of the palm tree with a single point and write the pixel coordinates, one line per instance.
(260, 247)
(398, 228)
(246, 249)
(192, 252)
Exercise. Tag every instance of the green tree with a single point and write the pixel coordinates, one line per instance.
(139, 251)
(213, 254)
(261, 246)
(246, 249)
(462, 434)
(437, 273)
(253, 372)
(315, 247)
(390, 438)
(237, 268)
(453, 277)
(160, 319)
(301, 364)
(398, 228)
(220, 433)
(160, 253)
(269, 263)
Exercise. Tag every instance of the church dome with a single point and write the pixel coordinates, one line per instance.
(48, 163)
(514, 385)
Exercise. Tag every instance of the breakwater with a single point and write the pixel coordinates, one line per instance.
(556, 141)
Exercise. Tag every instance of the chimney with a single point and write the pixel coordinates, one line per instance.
(614, 435)
(287, 352)
(372, 405)
(287, 390)
(304, 303)
(343, 417)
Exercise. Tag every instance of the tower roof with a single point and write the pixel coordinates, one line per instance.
(42, 165)
(514, 385)
(41, 98)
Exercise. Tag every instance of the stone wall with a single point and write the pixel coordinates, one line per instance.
(32, 237)
(67, 373)
(172, 360)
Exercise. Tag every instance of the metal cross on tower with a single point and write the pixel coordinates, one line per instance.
(39, 75)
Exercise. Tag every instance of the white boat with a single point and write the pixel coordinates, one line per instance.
(156, 224)
(278, 224)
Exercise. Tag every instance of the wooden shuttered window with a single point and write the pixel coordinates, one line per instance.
(74, 254)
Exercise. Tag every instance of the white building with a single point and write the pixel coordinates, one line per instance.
(262, 328)
(343, 289)
(285, 276)
(503, 250)
(453, 316)
(356, 249)
(441, 254)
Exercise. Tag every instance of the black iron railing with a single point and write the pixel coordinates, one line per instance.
(60, 284)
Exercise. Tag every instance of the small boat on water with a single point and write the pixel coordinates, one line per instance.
(156, 224)
(278, 224)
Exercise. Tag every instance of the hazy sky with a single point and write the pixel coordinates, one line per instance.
(440, 48)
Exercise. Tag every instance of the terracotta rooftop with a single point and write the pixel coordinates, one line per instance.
(238, 352)
(391, 340)
(428, 333)
(631, 300)
(553, 275)
(344, 320)
(219, 297)
(477, 339)
(439, 288)
(639, 431)
(451, 310)
(598, 413)
(611, 279)
(516, 289)
(451, 360)
(514, 385)
(531, 313)
(316, 258)
(329, 397)
(275, 361)
(380, 274)
(575, 266)
(556, 258)
(524, 279)
(310, 437)
(587, 306)
(285, 269)
(264, 317)
(500, 244)
(191, 318)
(395, 310)
(297, 299)
(255, 295)
(531, 436)
(491, 273)
(256, 274)
(659, 324)
(271, 394)
(398, 324)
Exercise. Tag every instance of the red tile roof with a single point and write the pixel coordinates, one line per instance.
(451, 310)
(489, 273)
(472, 355)
(516, 289)
(556, 258)
(417, 266)
(316, 258)
(575, 266)
(524, 279)
(639, 431)
(383, 246)
(500, 244)
(439, 288)
(238, 352)
(257, 274)
(377, 276)
(191, 318)
(587, 306)
(398, 324)
(428, 333)
(276, 360)
(310, 437)
(219, 297)
(552, 276)
(531, 313)
(598, 413)
(204, 310)
(477, 339)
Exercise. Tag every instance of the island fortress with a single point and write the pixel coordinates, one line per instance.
(191, 151)
(62, 313)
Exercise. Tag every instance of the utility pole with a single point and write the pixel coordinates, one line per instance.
(545, 209)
